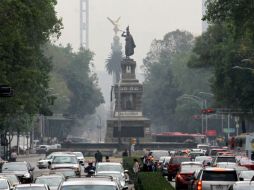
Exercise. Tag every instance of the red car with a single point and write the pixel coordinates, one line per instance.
(183, 177)
(246, 163)
(174, 165)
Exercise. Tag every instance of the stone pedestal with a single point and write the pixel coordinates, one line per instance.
(127, 120)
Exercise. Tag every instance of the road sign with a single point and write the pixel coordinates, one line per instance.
(229, 130)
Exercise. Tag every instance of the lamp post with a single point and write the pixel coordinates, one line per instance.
(119, 115)
(200, 102)
(99, 127)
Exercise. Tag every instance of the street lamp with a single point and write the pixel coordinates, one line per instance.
(99, 126)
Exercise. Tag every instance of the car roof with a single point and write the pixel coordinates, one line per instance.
(108, 172)
(30, 185)
(108, 163)
(218, 169)
(89, 181)
(191, 163)
(65, 154)
(50, 176)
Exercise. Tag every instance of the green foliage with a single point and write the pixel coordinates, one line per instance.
(76, 87)
(238, 15)
(128, 163)
(152, 181)
(25, 27)
(167, 78)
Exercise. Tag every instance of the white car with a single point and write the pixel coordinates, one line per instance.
(43, 163)
(5, 184)
(80, 157)
(116, 175)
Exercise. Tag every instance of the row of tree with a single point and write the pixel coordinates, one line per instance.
(219, 62)
(46, 79)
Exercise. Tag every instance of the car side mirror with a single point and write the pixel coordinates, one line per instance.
(241, 179)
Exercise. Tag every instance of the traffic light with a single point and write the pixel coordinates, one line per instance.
(6, 91)
(208, 111)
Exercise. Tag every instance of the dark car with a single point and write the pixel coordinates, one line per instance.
(183, 177)
(174, 165)
(23, 170)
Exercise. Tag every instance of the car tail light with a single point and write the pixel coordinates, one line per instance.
(199, 187)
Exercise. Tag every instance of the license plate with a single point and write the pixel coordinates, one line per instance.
(220, 187)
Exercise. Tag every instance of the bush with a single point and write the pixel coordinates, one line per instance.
(152, 181)
(128, 163)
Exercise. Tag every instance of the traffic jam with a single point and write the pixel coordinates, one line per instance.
(63, 171)
(203, 168)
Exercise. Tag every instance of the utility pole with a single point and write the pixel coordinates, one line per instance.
(84, 24)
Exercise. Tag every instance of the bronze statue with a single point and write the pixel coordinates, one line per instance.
(130, 44)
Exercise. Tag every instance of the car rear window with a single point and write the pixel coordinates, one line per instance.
(180, 160)
(226, 159)
(190, 168)
(214, 152)
(219, 176)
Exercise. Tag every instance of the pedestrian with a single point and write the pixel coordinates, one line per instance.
(98, 156)
(125, 153)
(107, 159)
(13, 156)
(136, 166)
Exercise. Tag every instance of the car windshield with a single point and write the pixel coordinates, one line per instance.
(180, 160)
(50, 181)
(30, 188)
(66, 173)
(214, 152)
(158, 154)
(78, 154)
(191, 168)
(219, 176)
(109, 168)
(202, 158)
(226, 159)
(89, 187)
(14, 166)
(247, 174)
(3, 184)
(115, 175)
(12, 178)
(65, 160)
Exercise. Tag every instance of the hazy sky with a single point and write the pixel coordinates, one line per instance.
(148, 20)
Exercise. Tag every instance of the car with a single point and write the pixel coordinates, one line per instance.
(183, 177)
(116, 175)
(12, 178)
(23, 170)
(32, 187)
(246, 175)
(158, 153)
(111, 166)
(218, 159)
(215, 178)
(205, 160)
(174, 165)
(65, 161)
(43, 163)
(53, 181)
(66, 172)
(80, 157)
(42, 149)
(213, 151)
(194, 154)
(226, 165)
(5, 184)
(243, 185)
(90, 183)
(246, 162)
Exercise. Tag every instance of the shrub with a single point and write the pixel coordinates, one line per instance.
(152, 181)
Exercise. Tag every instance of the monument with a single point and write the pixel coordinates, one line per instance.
(127, 120)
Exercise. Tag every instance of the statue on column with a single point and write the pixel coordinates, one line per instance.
(130, 44)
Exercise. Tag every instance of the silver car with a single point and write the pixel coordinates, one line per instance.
(53, 181)
(215, 178)
(90, 183)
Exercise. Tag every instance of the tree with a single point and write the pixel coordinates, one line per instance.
(113, 63)
(25, 27)
(238, 15)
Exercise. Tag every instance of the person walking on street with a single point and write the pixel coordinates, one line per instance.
(98, 156)
(136, 166)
